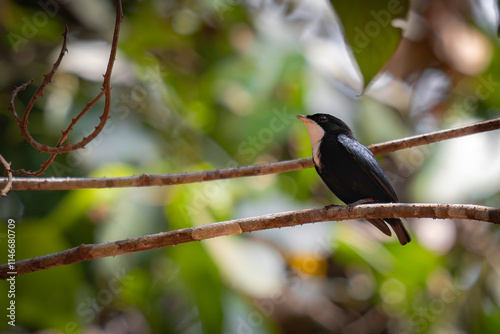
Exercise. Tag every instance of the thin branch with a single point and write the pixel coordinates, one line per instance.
(8, 185)
(433, 137)
(245, 225)
(146, 180)
(105, 91)
(13, 96)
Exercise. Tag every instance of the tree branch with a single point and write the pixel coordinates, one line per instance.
(399, 144)
(8, 184)
(245, 225)
(146, 180)
(105, 91)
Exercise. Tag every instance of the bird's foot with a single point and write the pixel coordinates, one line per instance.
(331, 206)
(361, 201)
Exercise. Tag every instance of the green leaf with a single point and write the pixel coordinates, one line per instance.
(488, 83)
(196, 268)
(199, 273)
(368, 31)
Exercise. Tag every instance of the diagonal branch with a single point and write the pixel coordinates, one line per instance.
(245, 225)
(418, 140)
(146, 180)
(105, 91)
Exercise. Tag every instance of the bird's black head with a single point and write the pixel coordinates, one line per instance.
(328, 123)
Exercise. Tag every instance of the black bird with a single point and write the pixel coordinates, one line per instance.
(350, 169)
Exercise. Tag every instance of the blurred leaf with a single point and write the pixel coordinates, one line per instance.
(368, 31)
(24, 24)
(389, 260)
(199, 273)
(489, 323)
(413, 272)
(488, 83)
(196, 267)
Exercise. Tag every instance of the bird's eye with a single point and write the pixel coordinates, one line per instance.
(323, 119)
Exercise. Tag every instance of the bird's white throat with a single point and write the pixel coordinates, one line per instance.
(316, 133)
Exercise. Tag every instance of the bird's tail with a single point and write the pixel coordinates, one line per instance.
(381, 225)
(400, 230)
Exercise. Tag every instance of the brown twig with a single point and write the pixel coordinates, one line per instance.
(105, 91)
(8, 184)
(145, 180)
(399, 144)
(245, 225)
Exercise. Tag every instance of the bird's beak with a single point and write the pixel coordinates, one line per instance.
(304, 119)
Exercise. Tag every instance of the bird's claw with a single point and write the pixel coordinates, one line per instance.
(361, 201)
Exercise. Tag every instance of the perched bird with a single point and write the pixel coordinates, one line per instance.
(350, 169)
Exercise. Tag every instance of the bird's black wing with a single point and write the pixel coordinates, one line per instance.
(367, 161)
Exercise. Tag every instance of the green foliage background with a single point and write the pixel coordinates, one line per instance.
(206, 85)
